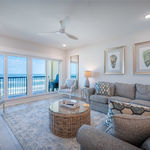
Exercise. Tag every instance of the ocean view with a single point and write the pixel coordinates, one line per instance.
(17, 84)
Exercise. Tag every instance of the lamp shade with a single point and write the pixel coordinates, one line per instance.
(87, 74)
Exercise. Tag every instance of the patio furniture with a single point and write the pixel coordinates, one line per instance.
(65, 122)
(54, 84)
(68, 88)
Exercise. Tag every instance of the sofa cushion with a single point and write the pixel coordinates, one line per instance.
(99, 99)
(141, 102)
(104, 88)
(125, 90)
(146, 144)
(118, 98)
(130, 128)
(142, 92)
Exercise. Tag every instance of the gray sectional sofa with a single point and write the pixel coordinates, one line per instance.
(91, 138)
(132, 93)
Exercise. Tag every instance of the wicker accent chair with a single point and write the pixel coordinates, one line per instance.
(68, 88)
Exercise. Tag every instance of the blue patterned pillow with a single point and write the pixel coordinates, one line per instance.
(103, 88)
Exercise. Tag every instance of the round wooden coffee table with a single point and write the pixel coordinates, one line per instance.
(65, 122)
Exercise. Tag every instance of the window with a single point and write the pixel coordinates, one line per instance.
(53, 75)
(1, 75)
(74, 66)
(38, 76)
(17, 76)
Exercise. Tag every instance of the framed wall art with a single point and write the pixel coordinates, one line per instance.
(142, 58)
(114, 60)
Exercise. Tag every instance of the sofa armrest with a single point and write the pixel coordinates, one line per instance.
(91, 138)
(146, 144)
(88, 93)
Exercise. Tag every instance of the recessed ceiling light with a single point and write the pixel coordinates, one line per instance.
(64, 45)
(147, 16)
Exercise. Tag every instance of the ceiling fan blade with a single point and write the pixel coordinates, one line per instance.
(71, 36)
(45, 33)
(64, 22)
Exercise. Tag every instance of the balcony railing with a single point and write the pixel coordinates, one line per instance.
(38, 84)
(17, 85)
(1, 86)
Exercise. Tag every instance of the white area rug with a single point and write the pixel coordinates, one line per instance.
(30, 125)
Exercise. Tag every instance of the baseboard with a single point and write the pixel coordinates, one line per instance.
(29, 99)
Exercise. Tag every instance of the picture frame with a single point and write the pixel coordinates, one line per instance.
(141, 57)
(114, 60)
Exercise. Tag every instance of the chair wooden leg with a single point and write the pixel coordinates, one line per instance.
(70, 96)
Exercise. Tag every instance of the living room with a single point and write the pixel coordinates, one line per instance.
(74, 75)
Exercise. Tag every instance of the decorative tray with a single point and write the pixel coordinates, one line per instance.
(72, 104)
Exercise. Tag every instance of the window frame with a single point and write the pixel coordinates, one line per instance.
(29, 74)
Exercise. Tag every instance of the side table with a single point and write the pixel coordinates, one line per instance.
(83, 92)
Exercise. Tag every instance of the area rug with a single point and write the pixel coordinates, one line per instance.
(30, 125)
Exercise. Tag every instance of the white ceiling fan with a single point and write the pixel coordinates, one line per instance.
(62, 29)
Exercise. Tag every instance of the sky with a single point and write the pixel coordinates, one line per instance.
(18, 65)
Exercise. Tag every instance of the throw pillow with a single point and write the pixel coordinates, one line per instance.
(143, 92)
(130, 128)
(118, 107)
(103, 88)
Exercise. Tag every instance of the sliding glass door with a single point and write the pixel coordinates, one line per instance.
(1, 76)
(27, 76)
(17, 76)
(38, 75)
(53, 75)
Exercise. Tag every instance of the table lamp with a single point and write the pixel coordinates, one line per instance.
(87, 74)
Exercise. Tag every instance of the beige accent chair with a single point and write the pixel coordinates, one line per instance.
(68, 88)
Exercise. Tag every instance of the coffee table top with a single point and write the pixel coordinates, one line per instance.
(56, 108)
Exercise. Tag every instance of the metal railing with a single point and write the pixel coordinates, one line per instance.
(17, 86)
(2, 86)
(38, 84)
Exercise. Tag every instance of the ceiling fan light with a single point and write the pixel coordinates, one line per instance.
(64, 45)
(147, 16)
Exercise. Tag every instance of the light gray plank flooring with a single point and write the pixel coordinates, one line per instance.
(7, 140)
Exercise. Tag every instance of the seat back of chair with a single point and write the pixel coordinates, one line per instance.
(70, 83)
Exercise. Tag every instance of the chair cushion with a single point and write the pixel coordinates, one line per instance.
(104, 88)
(134, 129)
(118, 98)
(65, 90)
(99, 99)
(143, 92)
(125, 90)
(141, 102)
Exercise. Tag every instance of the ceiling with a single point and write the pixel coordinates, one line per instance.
(90, 20)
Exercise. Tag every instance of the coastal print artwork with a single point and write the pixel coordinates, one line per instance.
(142, 58)
(114, 60)
(146, 57)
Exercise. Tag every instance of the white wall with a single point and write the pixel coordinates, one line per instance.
(92, 58)
(16, 46)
